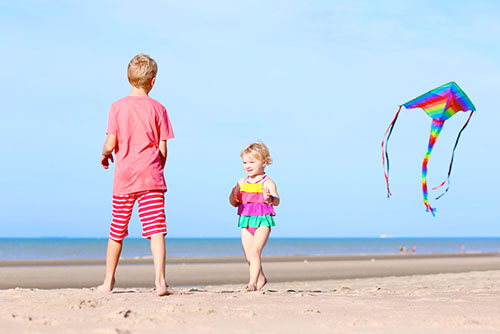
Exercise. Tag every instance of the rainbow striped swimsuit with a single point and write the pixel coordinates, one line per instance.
(253, 210)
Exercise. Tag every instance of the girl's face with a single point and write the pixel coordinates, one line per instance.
(253, 166)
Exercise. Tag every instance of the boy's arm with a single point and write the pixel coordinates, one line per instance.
(107, 150)
(163, 152)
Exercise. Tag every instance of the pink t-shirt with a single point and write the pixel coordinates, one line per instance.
(139, 123)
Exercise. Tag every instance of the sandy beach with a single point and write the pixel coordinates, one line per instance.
(436, 293)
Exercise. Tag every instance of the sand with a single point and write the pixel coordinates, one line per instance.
(363, 294)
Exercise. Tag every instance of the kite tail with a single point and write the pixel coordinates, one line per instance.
(436, 128)
(447, 181)
(385, 155)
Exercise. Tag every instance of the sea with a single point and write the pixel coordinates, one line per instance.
(95, 248)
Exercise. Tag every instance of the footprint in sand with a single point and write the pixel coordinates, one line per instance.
(206, 311)
(464, 321)
(122, 331)
(376, 290)
(21, 317)
(111, 330)
(310, 310)
(341, 290)
(86, 303)
(365, 322)
(175, 308)
(127, 313)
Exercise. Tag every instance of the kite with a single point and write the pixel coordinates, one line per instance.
(440, 104)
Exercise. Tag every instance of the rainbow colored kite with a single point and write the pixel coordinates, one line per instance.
(440, 104)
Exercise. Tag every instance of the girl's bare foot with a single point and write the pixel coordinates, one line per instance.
(106, 287)
(261, 283)
(164, 290)
(250, 287)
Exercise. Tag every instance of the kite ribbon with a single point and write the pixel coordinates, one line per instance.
(385, 155)
(451, 162)
(436, 128)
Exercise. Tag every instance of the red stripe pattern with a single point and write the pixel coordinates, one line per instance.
(151, 214)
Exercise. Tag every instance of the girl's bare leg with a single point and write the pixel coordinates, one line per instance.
(246, 242)
(158, 251)
(252, 246)
(112, 258)
(260, 239)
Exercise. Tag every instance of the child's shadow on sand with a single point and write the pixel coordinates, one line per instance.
(128, 291)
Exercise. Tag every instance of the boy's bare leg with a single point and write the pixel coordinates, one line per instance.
(158, 251)
(112, 258)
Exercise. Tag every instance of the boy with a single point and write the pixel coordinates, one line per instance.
(138, 130)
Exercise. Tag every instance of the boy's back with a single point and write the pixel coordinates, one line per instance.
(138, 129)
(139, 123)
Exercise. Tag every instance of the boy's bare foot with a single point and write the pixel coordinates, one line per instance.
(106, 287)
(261, 284)
(164, 290)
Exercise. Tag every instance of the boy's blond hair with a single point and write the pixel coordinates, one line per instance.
(141, 70)
(259, 151)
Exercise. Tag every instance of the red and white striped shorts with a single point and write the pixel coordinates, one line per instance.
(151, 214)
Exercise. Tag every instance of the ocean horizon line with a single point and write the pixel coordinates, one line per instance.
(67, 247)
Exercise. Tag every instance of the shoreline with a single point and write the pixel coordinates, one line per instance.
(234, 270)
(241, 259)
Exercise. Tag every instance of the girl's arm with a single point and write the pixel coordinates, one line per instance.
(271, 193)
(107, 150)
(233, 196)
(163, 152)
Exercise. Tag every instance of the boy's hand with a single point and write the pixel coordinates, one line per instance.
(105, 160)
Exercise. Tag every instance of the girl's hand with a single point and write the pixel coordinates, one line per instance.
(233, 197)
(267, 196)
(234, 193)
(270, 193)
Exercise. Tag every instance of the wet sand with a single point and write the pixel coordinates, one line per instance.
(225, 270)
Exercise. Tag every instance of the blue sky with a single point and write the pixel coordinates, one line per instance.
(318, 82)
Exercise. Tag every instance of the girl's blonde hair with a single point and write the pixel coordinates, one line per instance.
(141, 70)
(259, 151)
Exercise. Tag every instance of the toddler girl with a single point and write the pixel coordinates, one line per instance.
(255, 196)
